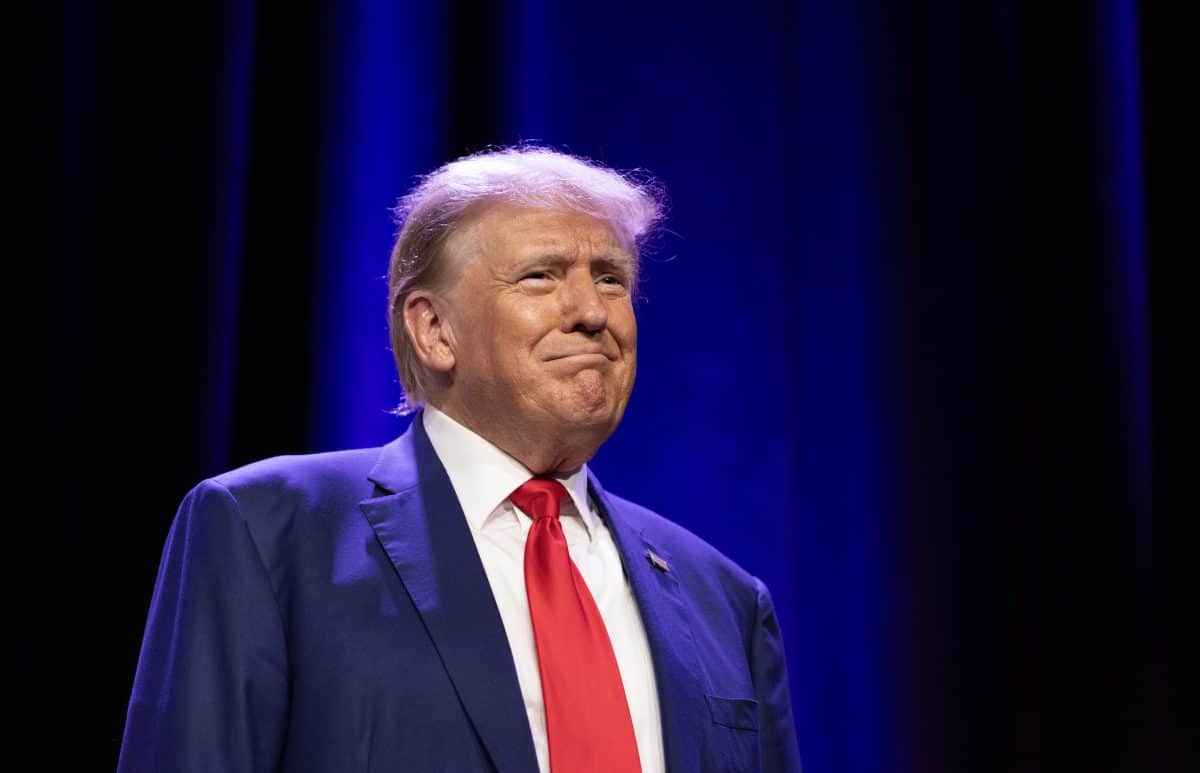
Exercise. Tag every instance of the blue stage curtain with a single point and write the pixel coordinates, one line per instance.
(909, 340)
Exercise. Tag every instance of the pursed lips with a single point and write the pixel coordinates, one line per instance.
(580, 353)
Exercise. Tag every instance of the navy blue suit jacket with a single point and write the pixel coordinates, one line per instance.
(329, 612)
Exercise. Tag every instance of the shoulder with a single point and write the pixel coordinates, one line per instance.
(292, 509)
(272, 495)
(305, 478)
(695, 561)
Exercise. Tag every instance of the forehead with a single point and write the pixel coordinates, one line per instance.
(507, 231)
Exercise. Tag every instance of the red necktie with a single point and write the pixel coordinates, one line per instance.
(587, 718)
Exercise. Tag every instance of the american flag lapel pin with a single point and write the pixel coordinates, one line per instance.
(658, 561)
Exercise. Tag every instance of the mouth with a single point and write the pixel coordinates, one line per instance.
(582, 354)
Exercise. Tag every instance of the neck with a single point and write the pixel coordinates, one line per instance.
(546, 451)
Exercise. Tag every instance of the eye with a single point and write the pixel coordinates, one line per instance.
(611, 282)
(536, 276)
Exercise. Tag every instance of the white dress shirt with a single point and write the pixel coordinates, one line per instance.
(483, 476)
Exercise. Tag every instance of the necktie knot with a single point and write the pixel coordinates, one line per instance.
(539, 497)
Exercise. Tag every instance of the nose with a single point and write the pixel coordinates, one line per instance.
(583, 308)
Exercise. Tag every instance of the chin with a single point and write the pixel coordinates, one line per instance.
(584, 417)
(588, 402)
(591, 402)
(580, 418)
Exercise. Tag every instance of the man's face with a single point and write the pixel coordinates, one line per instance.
(542, 322)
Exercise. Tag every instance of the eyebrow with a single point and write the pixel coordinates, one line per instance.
(615, 261)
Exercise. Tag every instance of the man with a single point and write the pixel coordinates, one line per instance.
(468, 597)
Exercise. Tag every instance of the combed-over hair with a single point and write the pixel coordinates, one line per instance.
(529, 176)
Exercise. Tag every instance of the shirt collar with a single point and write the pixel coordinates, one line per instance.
(483, 476)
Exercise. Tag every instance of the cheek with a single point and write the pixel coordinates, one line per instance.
(623, 325)
(520, 326)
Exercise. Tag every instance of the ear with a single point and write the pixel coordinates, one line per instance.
(428, 330)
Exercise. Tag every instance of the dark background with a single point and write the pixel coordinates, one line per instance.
(916, 347)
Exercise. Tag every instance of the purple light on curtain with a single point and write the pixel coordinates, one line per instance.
(843, 696)
(1119, 104)
(382, 111)
(527, 79)
(233, 109)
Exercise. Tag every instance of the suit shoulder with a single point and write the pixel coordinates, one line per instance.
(312, 477)
(689, 549)
(285, 501)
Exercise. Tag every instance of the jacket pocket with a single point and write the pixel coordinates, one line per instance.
(738, 713)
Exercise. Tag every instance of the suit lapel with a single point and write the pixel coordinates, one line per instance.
(672, 646)
(422, 528)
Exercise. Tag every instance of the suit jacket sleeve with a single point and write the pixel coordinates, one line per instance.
(777, 730)
(211, 686)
